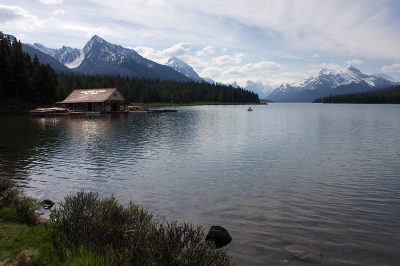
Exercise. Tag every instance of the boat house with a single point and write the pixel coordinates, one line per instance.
(94, 100)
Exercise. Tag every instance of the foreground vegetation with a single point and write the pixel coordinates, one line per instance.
(389, 95)
(87, 230)
(26, 82)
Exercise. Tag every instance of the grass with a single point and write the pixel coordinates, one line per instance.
(87, 230)
(32, 245)
(34, 240)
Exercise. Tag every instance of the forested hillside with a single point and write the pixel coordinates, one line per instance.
(390, 95)
(24, 79)
(164, 91)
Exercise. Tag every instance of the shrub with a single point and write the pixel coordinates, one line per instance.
(14, 202)
(127, 235)
(8, 214)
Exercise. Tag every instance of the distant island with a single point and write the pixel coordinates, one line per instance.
(390, 95)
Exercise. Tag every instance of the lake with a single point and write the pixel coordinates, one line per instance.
(322, 176)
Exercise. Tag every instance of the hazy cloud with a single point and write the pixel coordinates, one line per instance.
(144, 51)
(392, 68)
(286, 77)
(206, 50)
(354, 62)
(295, 57)
(261, 67)
(225, 59)
(17, 18)
(211, 72)
(51, 2)
(58, 12)
(155, 2)
(162, 56)
(317, 68)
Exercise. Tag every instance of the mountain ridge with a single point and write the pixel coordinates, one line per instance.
(99, 57)
(328, 82)
(183, 68)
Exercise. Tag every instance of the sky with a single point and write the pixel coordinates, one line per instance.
(267, 41)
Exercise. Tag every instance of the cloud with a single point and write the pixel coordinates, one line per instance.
(262, 67)
(286, 77)
(315, 56)
(16, 18)
(224, 50)
(51, 2)
(354, 62)
(228, 74)
(392, 68)
(144, 51)
(225, 59)
(364, 27)
(295, 57)
(206, 50)
(331, 66)
(155, 2)
(58, 12)
(162, 56)
(211, 72)
(177, 50)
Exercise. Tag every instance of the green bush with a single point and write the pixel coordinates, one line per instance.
(13, 201)
(8, 214)
(127, 235)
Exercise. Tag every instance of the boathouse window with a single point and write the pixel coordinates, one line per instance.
(115, 94)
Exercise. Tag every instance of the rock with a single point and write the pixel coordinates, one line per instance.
(48, 203)
(219, 235)
(42, 219)
(304, 253)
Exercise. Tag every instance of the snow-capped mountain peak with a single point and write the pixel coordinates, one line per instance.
(99, 57)
(183, 68)
(346, 80)
(70, 57)
(262, 90)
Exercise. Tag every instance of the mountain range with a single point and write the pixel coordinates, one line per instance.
(100, 57)
(103, 58)
(327, 82)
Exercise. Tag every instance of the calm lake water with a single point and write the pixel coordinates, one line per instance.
(323, 176)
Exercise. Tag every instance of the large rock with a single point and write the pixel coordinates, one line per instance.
(304, 253)
(219, 235)
(48, 203)
(42, 219)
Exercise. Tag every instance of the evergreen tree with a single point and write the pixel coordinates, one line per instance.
(5, 81)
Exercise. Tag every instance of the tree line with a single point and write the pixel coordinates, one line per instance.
(144, 90)
(390, 95)
(24, 78)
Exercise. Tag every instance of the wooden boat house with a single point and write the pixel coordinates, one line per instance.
(94, 100)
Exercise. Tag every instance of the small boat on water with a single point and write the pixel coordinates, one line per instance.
(161, 110)
(53, 111)
(136, 108)
(249, 109)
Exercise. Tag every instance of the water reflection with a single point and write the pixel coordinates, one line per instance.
(319, 175)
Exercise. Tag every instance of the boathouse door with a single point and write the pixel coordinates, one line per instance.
(115, 106)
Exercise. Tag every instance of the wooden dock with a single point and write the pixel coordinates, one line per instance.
(161, 110)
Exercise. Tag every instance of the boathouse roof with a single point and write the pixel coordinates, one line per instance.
(94, 96)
